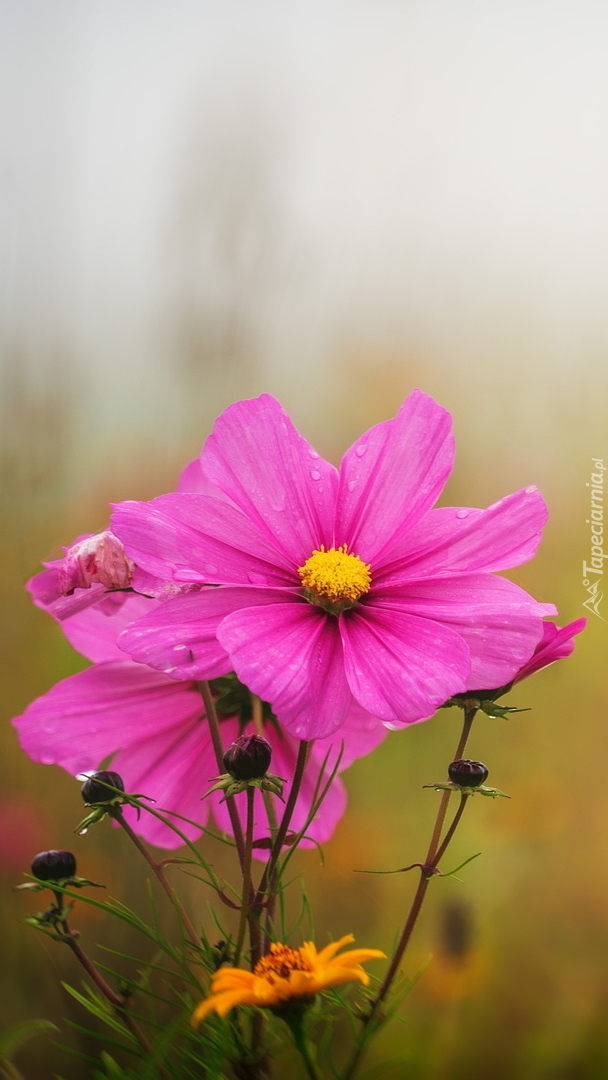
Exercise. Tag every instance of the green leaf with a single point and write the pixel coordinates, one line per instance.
(12, 1040)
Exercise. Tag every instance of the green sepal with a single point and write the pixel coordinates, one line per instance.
(489, 792)
(498, 712)
(484, 700)
(230, 786)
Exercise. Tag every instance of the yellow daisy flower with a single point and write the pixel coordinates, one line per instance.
(286, 973)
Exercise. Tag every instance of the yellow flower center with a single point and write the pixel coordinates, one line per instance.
(280, 962)
(335, 579)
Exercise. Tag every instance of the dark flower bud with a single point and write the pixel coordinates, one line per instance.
(98, 788)
(54, 865)
(248, 757)
(467, 773)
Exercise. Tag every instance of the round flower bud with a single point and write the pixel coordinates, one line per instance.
(248, 757)
(95, 790)
(54, 865)
(467, 773)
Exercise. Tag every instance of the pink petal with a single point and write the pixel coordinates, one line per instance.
(45, 592)
(500, 623)
(291, 656)
(401, 667)
(94, 631)
(456, 539)
(359, 735)
(392, 475)
(262, 463)
(88, 716)
(192, 479)
(172, 767)
(556, 644)
(196, 538)
(180, 639)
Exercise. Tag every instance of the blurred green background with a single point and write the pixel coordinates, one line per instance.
(333, 203)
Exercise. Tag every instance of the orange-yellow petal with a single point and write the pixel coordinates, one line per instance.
(231, 979)
(358, 956)
(303, 983)
(330, 950)
(336, 974)
(221, 1004)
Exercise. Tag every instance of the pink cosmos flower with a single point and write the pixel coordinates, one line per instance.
(157, 731)
(556, 644)
(336, 587)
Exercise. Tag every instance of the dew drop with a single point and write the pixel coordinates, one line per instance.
(351, 485)
(361, 450)
(48, 759)
(530, 490)
(257, 579)
(315, 474)
(83, 832)
(189, 576)
(179, 648)
(462, 514)
(313, 453)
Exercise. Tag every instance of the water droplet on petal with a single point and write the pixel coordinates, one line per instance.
(48, 759)
(257, 579)
(83, 832)
(462, 514)
(313, 453)
(315, 474)
(351, 485)
(361, 449)
(530, 490)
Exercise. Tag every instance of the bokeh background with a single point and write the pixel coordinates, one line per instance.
(334, 202)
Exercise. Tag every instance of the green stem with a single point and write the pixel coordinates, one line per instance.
(452, 829)
(235, 821)
(216, 741)
(469, 715)
(118, 816)
(269, 881)
(247, 882)
(305, 1050)
(116, 1002)
(436, 851)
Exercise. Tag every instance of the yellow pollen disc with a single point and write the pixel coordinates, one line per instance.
(280, 962)
(336, 575)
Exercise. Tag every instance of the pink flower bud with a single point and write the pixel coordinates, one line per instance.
(97, 559)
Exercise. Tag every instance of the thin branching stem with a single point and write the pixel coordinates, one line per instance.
(117, 1003)
(247, 882)
(118, 816)
(218, 749)
(428, 868)
(269, 881)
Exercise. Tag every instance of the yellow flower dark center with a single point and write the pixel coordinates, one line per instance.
(335, 579)
(280, 962)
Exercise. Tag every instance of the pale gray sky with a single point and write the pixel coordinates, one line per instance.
(277, 183)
